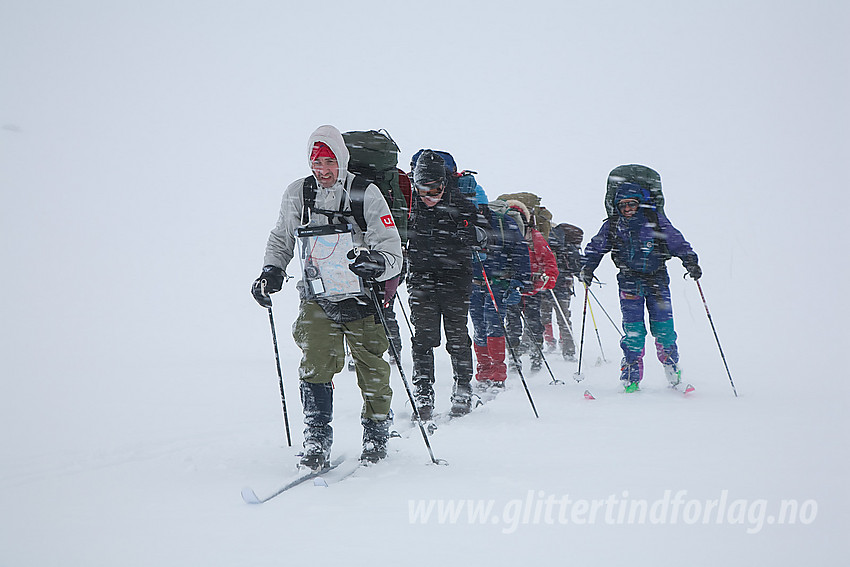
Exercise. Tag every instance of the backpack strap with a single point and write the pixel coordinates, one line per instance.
(308, 190)
(357, 194)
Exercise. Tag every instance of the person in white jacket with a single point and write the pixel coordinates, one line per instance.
(323, 323)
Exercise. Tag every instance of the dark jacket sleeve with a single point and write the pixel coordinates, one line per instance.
(598, 246)
(676, 243)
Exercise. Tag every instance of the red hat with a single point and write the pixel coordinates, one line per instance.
(321, 150)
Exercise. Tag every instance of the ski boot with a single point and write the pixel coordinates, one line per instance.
(423, 396)
(375, 435)
(536, 359)
(317, 401)
(674, 373)
(461, 398)
(631, 374)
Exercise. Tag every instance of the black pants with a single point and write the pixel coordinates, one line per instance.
(529, 309)
(434, 300)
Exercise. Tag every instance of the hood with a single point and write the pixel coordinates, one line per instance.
(632, 191)
(520, 206)
(333, 138)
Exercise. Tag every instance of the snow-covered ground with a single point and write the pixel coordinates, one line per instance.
(143, 152)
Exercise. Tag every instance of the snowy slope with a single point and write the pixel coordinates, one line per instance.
(143, 152)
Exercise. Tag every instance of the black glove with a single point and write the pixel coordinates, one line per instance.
(480, 238)
(513, 295)
(368, 264)
(270, 281)
(585, 277)
(694, 270)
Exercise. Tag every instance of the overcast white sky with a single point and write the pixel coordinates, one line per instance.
(144, 145)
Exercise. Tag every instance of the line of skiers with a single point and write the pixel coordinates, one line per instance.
(501, 263)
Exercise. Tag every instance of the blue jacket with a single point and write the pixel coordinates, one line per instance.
(506, 257)
(639, 246)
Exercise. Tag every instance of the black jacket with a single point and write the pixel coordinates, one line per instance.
(440, 238)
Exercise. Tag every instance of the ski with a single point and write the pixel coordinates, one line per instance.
(688, 388)
(250, 497)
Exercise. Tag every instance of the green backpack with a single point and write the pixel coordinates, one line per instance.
(500, 206)
(542, 215)
(374, 157)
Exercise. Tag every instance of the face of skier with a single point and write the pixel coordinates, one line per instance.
(628, 207)
(431, 193)
(326, 170)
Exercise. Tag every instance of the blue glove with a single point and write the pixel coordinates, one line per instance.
(513, 294)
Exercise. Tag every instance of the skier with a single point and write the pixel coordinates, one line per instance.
(565, 242)
(322, 324)
(500, 274)
(641, 240)
(544, 276)
(441, 233)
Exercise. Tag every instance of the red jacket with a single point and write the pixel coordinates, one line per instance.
(544, 265)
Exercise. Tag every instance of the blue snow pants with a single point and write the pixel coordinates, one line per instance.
(650, 291)
(486, 321)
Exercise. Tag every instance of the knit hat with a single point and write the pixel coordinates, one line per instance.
(630, 191)
(430, 168)
(321, 150)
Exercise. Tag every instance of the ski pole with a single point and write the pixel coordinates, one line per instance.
(699, 287)
(540, 351)
(606, 313)
(279, 373)
(561, 311)
(595, 328)
(578, 377)
(505, 330)
(403, 377)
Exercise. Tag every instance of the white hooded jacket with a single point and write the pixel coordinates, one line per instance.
(381, 234)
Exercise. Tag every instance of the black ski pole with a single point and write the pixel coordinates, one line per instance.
(606, 313)
(397, 358)
(578, 377)
(540, 351)
(699, 287)
(280, 378)
(505, 331)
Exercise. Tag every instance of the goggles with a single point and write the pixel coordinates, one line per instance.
(628, 204)
(430, 189)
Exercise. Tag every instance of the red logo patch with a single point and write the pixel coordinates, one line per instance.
(388, 221)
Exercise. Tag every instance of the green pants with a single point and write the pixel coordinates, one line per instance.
(323, 355)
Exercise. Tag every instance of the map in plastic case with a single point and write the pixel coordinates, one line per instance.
(323, 251)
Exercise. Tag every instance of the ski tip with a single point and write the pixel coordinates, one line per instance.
(689, 388)
(249, 496)
(588, 395)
